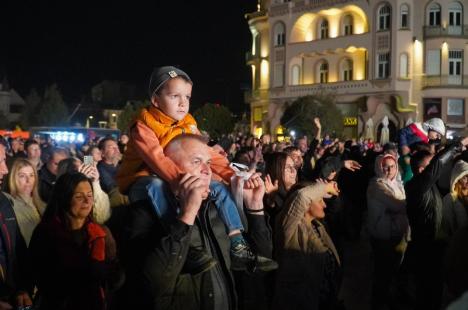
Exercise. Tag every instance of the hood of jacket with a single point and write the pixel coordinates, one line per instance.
(459, 170)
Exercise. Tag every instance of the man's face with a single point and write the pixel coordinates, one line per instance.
(302, 145)
(297, 158)
(194, 158)
(52, 164)
(33, 152)
(3, 166)
(174, 98)
(111, 151)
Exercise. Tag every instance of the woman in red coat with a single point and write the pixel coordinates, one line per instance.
(73, 258)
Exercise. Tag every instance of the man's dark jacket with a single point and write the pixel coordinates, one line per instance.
(155, 252)
(14, 263)
(424, 202)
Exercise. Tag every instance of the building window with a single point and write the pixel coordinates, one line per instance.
(384, 17)
(383, 66)
(433, 62)
(455, 18)
(296, 75)
(434, 15)
(432, 108)
(323, 72)
(404, 16)
(279, 34)
(455, 66)
(279, 75)
(404, 66)
(455, 107)
(324, 29)
(348, 25)
(347, 70)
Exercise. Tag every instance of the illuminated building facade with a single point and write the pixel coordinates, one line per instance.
(404, 59)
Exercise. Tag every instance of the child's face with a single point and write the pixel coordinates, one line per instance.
(174, 98)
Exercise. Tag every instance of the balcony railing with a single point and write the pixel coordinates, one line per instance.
(449, 81)
(250, 58)
(253, 95)
(449, 31)
(341, 88)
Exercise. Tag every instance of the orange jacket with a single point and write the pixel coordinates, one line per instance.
(144, 155)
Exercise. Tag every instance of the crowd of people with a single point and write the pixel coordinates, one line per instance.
(166, 218)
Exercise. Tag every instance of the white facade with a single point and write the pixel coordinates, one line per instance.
(397, 58)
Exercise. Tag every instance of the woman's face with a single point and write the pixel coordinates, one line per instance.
(389, 168)
(463, 182)
(25, 180)
(317, 209)
(289, 173)
(82, 201)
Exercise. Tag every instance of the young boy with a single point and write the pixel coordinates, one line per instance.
(144, 161)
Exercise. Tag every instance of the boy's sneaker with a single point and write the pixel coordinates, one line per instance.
(198, 261)
(243, 259)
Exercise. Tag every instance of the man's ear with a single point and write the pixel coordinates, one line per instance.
(154, 101)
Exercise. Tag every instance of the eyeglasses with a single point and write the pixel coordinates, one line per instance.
(291, 169)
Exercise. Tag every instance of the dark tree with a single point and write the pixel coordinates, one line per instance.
(215, 119)
(299, 116)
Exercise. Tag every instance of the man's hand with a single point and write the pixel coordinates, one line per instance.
(254, 190)
(23, 300)
(192, 191)
(352, 165)
(270, 187)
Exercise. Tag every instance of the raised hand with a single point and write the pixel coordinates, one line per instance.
(317, 122)
(352, 165)
(254, 190)
(270, 187)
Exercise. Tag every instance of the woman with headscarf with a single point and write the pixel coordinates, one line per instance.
(388, 225)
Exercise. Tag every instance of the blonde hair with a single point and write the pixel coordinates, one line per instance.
(18, 164)
(458, 191)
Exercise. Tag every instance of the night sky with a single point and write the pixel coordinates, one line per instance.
(78, 45)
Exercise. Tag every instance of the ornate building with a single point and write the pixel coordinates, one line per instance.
(404, 59)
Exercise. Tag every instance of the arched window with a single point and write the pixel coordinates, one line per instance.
(323, 29)
(296, 75)
(434, 14)
(323, 72)
(348, 25)
(280, 34)
(404, 16)
(455, 18)
(346, 70)
(384, 17)
(404, 72)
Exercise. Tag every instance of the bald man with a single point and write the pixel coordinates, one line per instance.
(158, 248)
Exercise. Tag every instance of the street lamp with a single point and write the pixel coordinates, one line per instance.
(88, 121)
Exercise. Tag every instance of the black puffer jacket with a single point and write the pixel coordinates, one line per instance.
(155, 253)
(424, 201)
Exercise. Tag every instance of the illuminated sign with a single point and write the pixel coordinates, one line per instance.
(350, 121)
